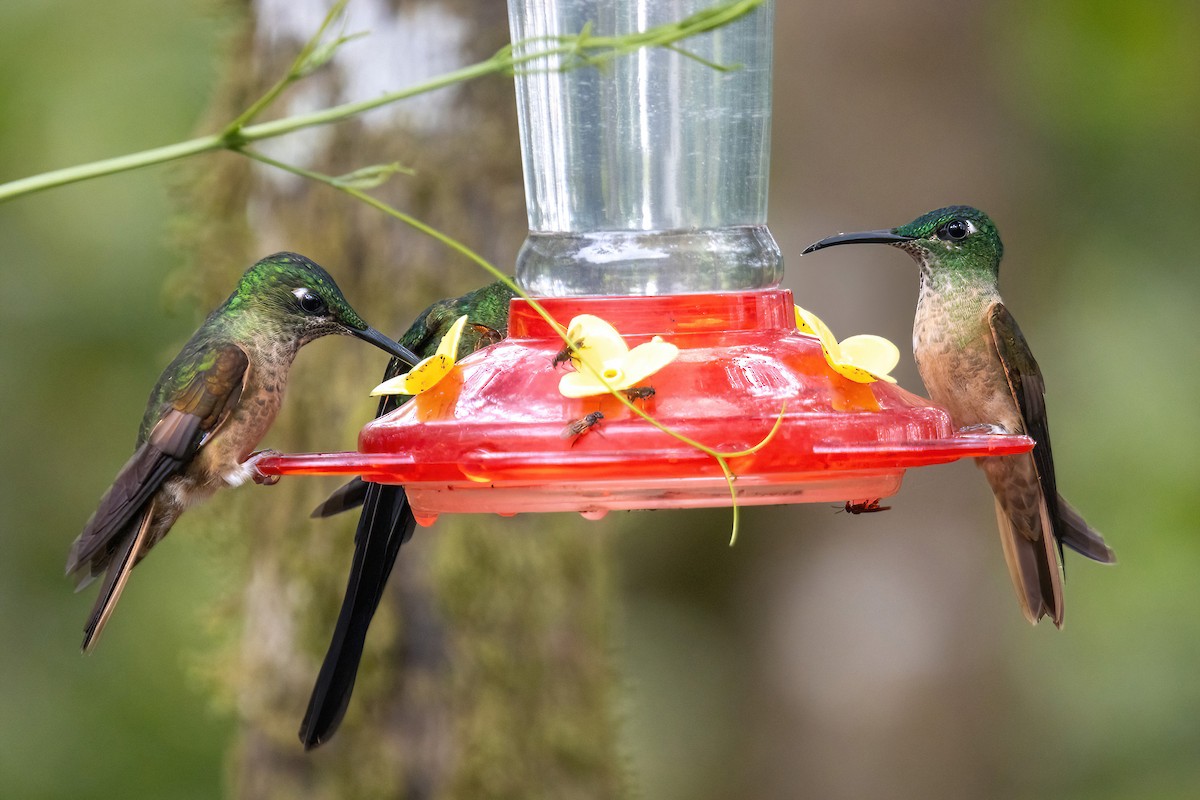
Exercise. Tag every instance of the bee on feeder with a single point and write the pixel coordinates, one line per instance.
(865, 507)
(638, 393)
(567, 353)
(581, 426)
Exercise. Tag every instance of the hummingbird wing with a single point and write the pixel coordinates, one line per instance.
(157, 459)
(121, 564)
(186, 421)
(1081, 537)
(1029, 391)
(386, 523)
(347, 496)
(1024, 485)
(128, 521)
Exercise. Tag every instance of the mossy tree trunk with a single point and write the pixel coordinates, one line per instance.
(487, 668)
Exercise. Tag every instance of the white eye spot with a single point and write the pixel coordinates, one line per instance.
(310, 301)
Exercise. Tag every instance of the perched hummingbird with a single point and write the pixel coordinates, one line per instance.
(387, 520)
(975, 362)
(210, 407)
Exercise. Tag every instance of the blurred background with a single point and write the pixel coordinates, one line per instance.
(826, 655)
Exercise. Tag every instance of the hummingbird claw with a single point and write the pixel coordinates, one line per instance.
(983, 429)
(255, 474)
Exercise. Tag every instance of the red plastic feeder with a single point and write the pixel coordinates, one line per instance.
(490, 436)
(605, 219)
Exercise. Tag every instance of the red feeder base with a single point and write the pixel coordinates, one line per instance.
(490, 436)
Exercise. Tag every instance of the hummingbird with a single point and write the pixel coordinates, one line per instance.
(387, 520)
(975, 361)
(212, 404)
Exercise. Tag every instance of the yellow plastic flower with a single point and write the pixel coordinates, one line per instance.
(602, 348)
(429, 371)
(862, 358)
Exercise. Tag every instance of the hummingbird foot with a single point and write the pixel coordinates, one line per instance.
(982, 429)
(248, 470)
(256, 474)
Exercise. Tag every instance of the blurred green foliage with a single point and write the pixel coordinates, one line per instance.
(83, 334)
(1099, 104)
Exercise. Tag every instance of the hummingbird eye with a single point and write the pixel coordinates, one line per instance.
(956, 230)
(310, 303)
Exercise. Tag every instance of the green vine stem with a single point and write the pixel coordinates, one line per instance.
(585, 49)
(312, 56)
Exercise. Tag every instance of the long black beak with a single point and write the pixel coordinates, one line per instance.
(862, 237)
(384, 343)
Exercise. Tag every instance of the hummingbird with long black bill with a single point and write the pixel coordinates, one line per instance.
(975, 361)
(387, 520)
(209, 409)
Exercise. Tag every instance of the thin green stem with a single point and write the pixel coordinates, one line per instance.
(109, 166)
(407, 219)
(733, 503)
(232, 139)
(294, 73)
(586, 49)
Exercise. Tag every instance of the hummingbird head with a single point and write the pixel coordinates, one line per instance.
(955, 239)
(302, 301)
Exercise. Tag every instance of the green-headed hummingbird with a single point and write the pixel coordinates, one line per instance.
(209, 409)
(975, 362)
(387, 520)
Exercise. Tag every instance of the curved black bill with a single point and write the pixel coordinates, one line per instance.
(862, 237)
(384, 343)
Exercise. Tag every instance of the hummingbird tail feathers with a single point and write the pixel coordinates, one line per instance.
(349, 495)
(1080, 537)
(386, 523)
(1033, 567)
(116, 577)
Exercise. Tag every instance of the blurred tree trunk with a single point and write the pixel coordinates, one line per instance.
(487, 668)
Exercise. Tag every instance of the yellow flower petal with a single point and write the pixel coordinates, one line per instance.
(598, 341)
(449, 344)
(603, 351)
(645, 360)
(429, 371)
(810, 323)
(802, 324)
(421, 378)
(392, 385)
(584, 384)
(874, 354)
(856, 374)
(862, 358)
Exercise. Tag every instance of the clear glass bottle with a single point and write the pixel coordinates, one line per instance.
(647, 175)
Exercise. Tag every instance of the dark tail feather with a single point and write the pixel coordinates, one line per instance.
(348, 496)
(116, 577)
(386, 523)
(1077, 535)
